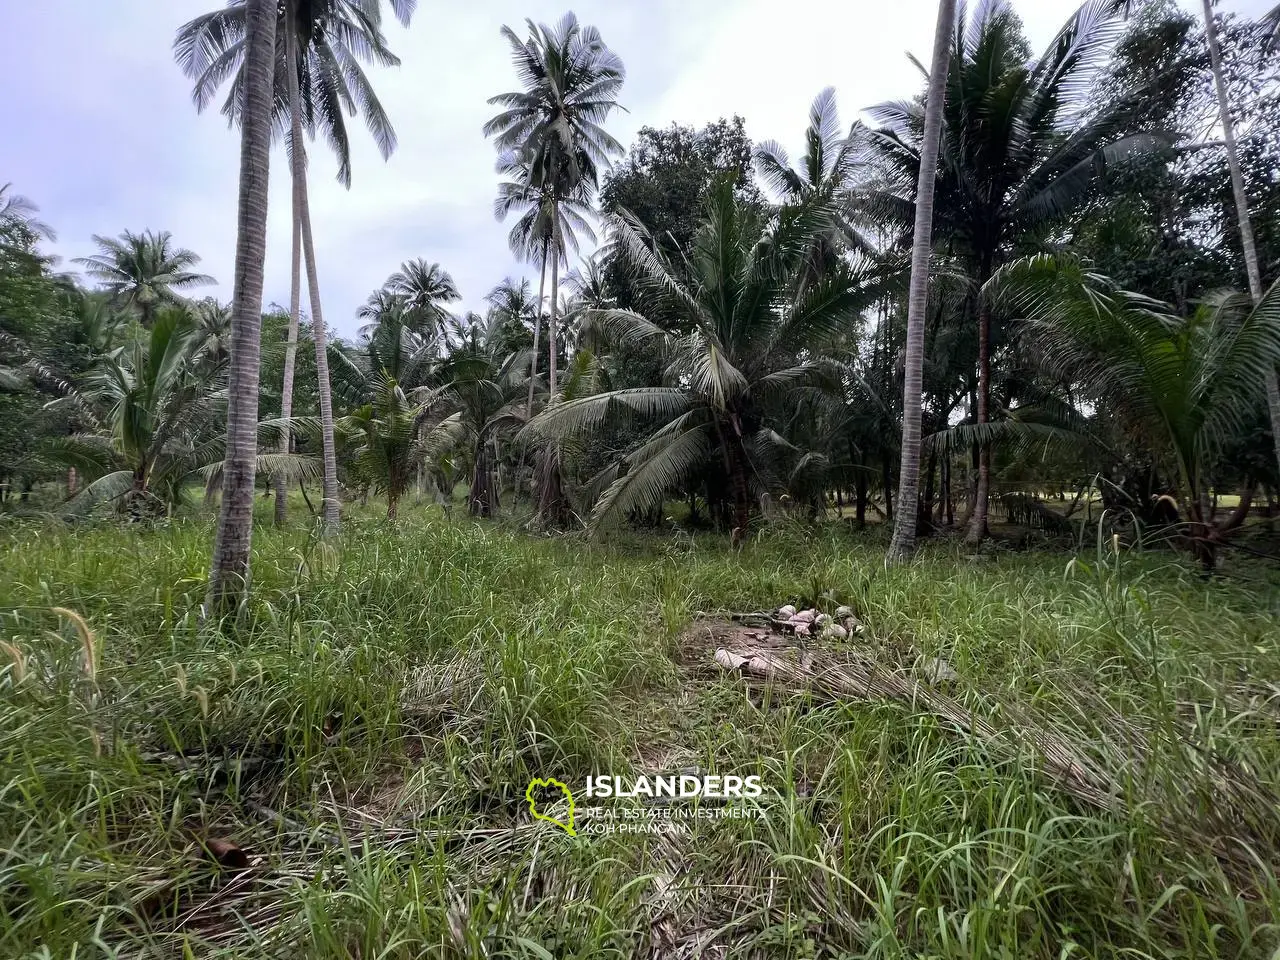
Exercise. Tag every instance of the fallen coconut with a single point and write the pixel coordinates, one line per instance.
(835, 632)
(787, 612)
(844, 613)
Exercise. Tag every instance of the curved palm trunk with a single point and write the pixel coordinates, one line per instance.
(1247, 244)
(904, 528)
(295, 309)
(537, 329)
(329, 504)
(229, 571)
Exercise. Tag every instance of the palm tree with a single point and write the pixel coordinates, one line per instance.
(423, 289)
(320, 45)
(553, 127)
(748, 350)
(512, 308)
(387, 439)
(18, 214)
(1017, 154)
(143, 271)
(550, 224)
(904, 527)
(1247, 244)
(827, 170)
(481, 381)
(229, 571)
(156, 416)
(1182, 388)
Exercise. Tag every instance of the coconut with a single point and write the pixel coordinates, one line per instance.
(808, 616)
(835, 632)
(787, 612)
(823, 620)
(844, 613)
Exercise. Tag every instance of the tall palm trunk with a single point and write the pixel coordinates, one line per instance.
(551, 327)
(982, 492)
(537, 328)
(329, 504)
(295, 310)
(904, 529)
(1247, 243)
(229, 571)
(551, 319)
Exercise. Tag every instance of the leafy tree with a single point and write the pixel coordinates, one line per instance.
(668, 174)
(144, 271)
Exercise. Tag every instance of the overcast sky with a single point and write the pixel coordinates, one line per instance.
(97, 126)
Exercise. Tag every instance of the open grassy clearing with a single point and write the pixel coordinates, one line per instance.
(366, 741)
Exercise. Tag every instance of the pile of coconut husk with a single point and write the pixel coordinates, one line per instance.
(838, 659)
(825, 654)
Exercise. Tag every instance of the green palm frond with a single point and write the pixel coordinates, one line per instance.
(655, 468)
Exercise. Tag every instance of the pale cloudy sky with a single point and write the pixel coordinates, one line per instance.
(97, 127)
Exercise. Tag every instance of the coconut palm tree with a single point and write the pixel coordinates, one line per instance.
(827, 170)
(1183, 388)
(388, 442)
(750, 344)
(1017, 154)
(481, 381)
(18, 214)
(423, 289)
(155, 413)
(550, 224)
(552, 129)
(904, 527)
(143, 271)
(1247, 244)
(229, 571)
(320, 45)
(512, 309)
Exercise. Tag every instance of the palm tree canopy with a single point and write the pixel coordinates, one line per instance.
(746, 349)
(423, 289)
(551, 219)
(1018, 149)
(335, 39)
(143, 270)
(569, 79)
(1185, 385)
(17, 213)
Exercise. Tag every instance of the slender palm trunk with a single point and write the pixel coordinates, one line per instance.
(904, 529)
(551, 327)
(537, 329)
(295, 310)
(1247, 244)
(229, 571)
(982, 493)
(329, 504)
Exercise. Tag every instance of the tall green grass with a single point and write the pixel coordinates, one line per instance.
(366, 730)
